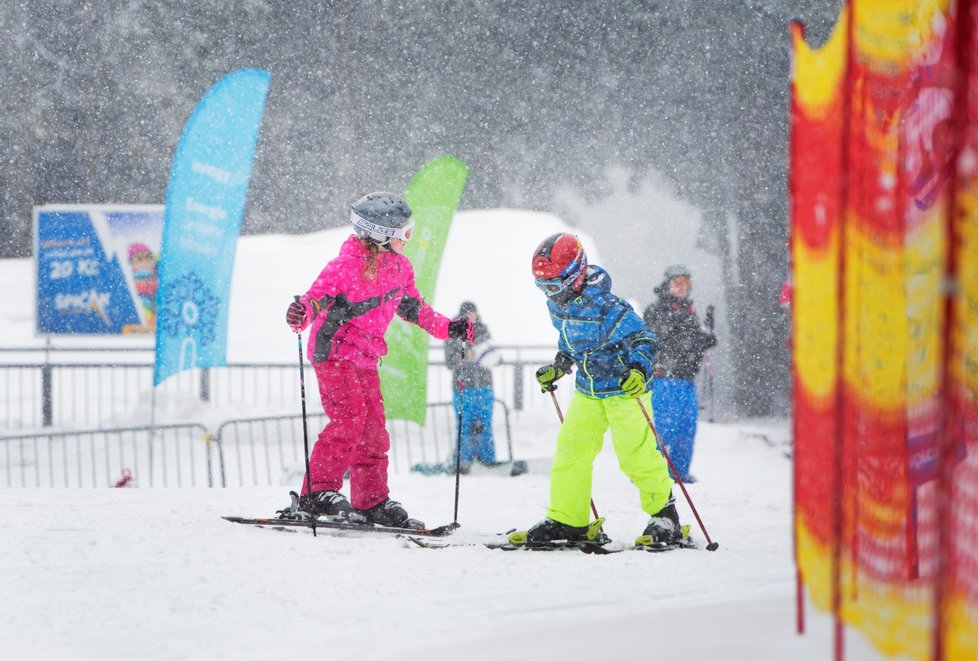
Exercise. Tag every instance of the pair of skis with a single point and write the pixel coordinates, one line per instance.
(341, 525)
(512, 468)
(596, 542)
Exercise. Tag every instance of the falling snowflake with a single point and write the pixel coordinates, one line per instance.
(189, 308)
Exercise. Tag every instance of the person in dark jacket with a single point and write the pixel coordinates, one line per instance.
(682, 343)
(471, 366)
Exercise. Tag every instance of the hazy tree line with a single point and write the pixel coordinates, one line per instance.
(531, 95)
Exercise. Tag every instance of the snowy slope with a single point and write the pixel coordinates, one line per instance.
(156, 574)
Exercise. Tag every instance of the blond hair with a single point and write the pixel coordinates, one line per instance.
(373, 250)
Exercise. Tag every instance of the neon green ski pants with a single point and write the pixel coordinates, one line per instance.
(579, 442)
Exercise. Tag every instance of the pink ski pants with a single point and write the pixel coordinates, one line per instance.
(355, 437)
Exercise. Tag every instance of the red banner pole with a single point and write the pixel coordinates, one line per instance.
(792, 189)
(951, 290)
(840, 433)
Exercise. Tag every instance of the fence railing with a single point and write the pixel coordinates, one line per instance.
(267, 451)
(258, 451)
(127, 424)
(65, 393)
(166, 456)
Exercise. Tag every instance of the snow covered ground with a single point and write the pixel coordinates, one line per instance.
(156, 574)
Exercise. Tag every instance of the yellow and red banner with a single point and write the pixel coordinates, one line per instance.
(884, 248)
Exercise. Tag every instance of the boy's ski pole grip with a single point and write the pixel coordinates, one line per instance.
(710, 544)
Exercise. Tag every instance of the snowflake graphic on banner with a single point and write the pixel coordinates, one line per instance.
(190, 308)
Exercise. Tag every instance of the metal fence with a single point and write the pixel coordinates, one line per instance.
(56, 389)
(166, 456)
(259, 451)
(78, 423)
(270, 450)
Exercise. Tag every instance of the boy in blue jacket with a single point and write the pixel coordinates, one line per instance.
(614, 352)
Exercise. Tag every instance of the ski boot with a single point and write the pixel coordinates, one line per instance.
(663, 529)
(554, 534)
(549, 530)
(330, 504)
(390, 514)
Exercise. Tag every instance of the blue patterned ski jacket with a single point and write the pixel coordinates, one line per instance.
(603, 336)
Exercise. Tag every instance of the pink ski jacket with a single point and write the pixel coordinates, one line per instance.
(349, 313)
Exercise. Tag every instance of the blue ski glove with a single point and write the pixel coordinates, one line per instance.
(633, 383)
(546, 376)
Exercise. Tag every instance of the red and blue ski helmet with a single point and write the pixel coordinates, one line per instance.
(559, 263)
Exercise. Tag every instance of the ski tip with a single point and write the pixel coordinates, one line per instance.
(503, 546)
(441, 531)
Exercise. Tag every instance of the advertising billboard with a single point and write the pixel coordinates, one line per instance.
(95, 268)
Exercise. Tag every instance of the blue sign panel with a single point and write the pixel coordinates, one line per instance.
(96, 269)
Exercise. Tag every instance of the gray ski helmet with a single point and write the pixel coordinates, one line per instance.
(381, 216)
(677, 271)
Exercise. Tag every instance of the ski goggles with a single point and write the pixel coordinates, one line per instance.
(570, 273)
(555, 285)
(403, 233)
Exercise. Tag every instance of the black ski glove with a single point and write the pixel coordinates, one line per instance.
(295, 316)
(460, 329)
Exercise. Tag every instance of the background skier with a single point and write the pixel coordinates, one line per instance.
(682, 344)
(471, 366)
(614, 352)
(349, 307)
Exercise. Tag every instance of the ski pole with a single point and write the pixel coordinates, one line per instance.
(305, 428)
(560, 415)
(470, 338)
(710, 367)
(710, 544)
(458, 444)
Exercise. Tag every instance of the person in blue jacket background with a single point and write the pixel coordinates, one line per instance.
(682, 343)
(614, 352)
(471, 364)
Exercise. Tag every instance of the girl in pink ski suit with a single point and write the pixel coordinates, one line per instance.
(348, 309)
